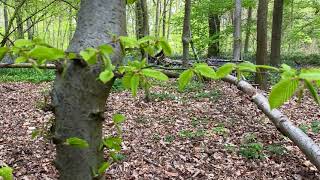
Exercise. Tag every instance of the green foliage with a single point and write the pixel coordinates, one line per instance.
(225, 70)
(106, 76)
(155, 74)
(118, 118)
(26, 75)
(192, 134)
(162, 96)
(282, 92)
(184, 78)
(213, 95)
(3, 51)
(6, 173)
(315, 126)
(169, 138)
(276, 149)
(252, 151)
(304, 127)
(220, 130)
(204, 70)
(77, 142)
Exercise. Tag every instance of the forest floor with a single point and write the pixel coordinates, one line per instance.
(213, 134)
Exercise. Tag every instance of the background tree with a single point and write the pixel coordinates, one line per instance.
(276, 33)
(237, 31)
(262, 42)
(186, 35)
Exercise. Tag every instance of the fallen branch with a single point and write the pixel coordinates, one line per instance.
(282, 122)
(27, 65)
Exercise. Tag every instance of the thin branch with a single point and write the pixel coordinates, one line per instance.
(69, 3)
(27, 65)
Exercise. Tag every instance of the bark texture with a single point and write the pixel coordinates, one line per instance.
(214, 31)
(276, 33)
(186, 34)
(262, 44)
(142, 19)
(237, 32)
(248, 31)
(78, 97)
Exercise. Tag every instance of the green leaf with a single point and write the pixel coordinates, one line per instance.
(184, 78)
(146, 39)
(106, 49)
(23, 43)
(313, 91)
(102, 169)
(77, 142)
(247, 66)
(89, 55)
(21, 59)
(225, 70)
(3, 52)
(118, 118)
(134, 83)
(126, 80)
(113, 143)
(106, 76)
(131, 1)
(165, 47)
(155, 74)
(129, 42)
(282, 92)
(205, 70)
(288, 72)
(45, 53)
(310, 74)
(149, 50)
(6, 173)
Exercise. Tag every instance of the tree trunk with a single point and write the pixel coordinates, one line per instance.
(237, 31)
(142, 20)
(276, 33)
(248, 32)
(78, 97)
(214, 32)
(164, 18)
(156, 26)
(262, 44)
(30, 29)
(20, 32)
(169, 19)
(6, 18)
(186, 34)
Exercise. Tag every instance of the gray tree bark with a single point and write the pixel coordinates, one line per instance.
(262, 42)
(186, 34)
(276, 33)
(237, 31)
(20, 32)
(164, 18)
(78, 97)
(156, 26)
(248, 31)
(142, 19)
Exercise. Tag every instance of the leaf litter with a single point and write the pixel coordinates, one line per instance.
(192, 135)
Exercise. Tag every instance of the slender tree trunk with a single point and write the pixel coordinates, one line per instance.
(214, 33)
(142, 20)
(6, 18)
(186, 34)
(262, 42)
(30, 29)
(237, 31)
(20, 32)
(169, 19)
(248, 31)
(276, 33)
(164, 18)
(156, 26)
(78, 97)
(70, 24)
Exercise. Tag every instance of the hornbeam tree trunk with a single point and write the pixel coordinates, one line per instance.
(78, 97)
(186, 34)
(142, 19)
(237, 31)
(248, 32)
(276, 33)
(262, 44)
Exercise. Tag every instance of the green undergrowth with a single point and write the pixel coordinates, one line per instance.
(26, 75)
